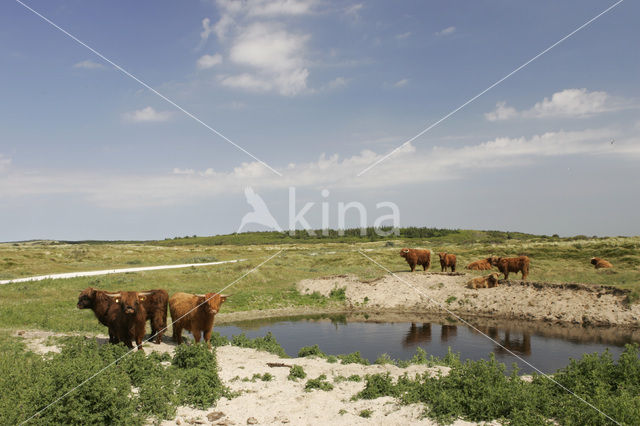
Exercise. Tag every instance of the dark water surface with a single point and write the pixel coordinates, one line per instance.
(547, 347)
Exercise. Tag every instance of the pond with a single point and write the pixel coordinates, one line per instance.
(546, 346)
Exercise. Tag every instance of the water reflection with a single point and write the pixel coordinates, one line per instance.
(417, 335)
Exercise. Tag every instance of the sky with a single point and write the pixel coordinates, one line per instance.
(307, 94)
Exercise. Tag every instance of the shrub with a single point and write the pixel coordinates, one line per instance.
(268, 343)
(319, 382)
(384, 359)
(353, 358)
(314, 350)
(338, 294)
(296, 372)
(366, 413)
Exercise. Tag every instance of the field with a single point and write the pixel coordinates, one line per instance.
(51, 304)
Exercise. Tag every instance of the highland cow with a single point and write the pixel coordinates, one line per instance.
(488, 281)
(130, 319)
(447, 260)
(194, 313)
(101, 305)
(155, 305)
(480, 265)
(601, 263)
(416, 257)
(512, 264)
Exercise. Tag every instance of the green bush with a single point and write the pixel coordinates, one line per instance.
(314, 350)
(319, 382)
(268, 343)
(296, 372)
(353, 358)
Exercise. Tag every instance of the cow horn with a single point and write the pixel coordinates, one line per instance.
(200, 295)
(145, 293)
(114, 295)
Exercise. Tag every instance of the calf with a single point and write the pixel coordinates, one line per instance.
(480, 265)
(600, 263)
(416, 257)
(130, 319)
(195, 313)
(447, 260)
(488, 281)
(512, 264)
(102, 306)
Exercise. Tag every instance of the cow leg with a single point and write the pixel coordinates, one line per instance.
(177, 333)
(197, 335)
(207, 337)
(413, 267)
(453, 268)
(506, 275)
(157, 329)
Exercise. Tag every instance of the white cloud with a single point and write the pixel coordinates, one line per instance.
(337, 83)
(574, 103)
(502, 112)
(447, 31)
(88, 65)
(275, 55)
(247, 82)
(147, 115)
(209, 61)
(353, 10)
(403, 35)
(406, 167)
(401, 83)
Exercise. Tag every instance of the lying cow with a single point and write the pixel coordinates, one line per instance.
(447, 260)
(480, 265)
(488, 281)
(601, 263)
(416, 257)
(194, 313)
(512, 264)
(130, 319)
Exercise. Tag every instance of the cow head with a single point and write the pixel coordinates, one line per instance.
(211, 302)
(86, 298)
(129, 301)
(404, 252)
(442, 255)
(594, 260)
(494, 260)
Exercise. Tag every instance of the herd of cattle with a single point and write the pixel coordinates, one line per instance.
(420, 257)
(125, 313)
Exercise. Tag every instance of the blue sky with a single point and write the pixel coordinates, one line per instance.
(319, 91)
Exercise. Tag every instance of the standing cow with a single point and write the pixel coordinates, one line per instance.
(447, 260)
(195, 313)
(155, 305)
(416, 257)
(102, 306)
(130, 319)
(512, 264)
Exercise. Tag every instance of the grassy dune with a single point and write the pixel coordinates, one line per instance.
(50, 305)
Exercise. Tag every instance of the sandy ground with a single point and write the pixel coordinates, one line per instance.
(282, 401)
(436, 293)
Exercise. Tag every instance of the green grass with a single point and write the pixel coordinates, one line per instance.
(50, 304)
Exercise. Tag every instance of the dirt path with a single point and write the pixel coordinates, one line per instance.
(112, 271)
(563, 303)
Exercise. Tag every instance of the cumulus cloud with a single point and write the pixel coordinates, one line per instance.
(401, 83)
(209, 61)
(447, 31)
(568, 103)
(406, 167)
(147, 115)
(246, 81)
(88, 65)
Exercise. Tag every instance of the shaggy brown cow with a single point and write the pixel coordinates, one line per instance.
(416, 257)
(600, 263)
(488, 281)
(155, 304)
(480, 265)
(447, 260)
(100, 304)
(130, 319)
(512, 264)
(195, 313)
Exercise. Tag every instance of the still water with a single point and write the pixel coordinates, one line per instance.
(547, 347)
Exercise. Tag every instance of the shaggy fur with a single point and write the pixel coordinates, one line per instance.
(101, 305)
(194, 313)
(131, 319)
(447, 260)
(488, 281)
(155, 304)
(416, 257)
(600, 263)
(480, 265)
(512, 264)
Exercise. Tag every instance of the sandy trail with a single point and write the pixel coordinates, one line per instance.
(283, 401)
(113, 271)
(563, 303)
